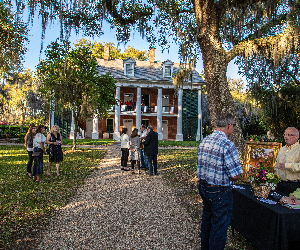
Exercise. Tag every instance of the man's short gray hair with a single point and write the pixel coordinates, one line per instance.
(150, 127)
(224, 120)
(296, 131)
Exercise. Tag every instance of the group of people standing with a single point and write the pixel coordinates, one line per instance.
(35, 142)
(141, 150)
(219, 166)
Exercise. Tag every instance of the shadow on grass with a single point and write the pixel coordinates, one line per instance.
(25, 204)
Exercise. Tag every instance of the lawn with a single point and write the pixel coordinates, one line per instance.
(109, 142)
(100, 142)
(24, 202)
(178, 143)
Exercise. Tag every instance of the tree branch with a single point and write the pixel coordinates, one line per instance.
(265, 29)
(135, 15)
(238, 3)
(293, 77)
(251, 46)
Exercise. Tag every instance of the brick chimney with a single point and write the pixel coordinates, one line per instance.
(106, 52)
(151, 55)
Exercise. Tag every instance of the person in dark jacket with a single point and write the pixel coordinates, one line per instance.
(29, 146)
(151, 149)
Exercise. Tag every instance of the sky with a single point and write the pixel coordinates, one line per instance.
(52, 33)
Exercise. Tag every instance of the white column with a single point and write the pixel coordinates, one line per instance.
(95, 134)
(138, 120)
(159, 114)
(71, 136)
(199, 130)
(52, 119)
(179, 135)
(116, 135)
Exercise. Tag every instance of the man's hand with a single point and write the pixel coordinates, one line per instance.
(235, 178)
(285, 199)
(280, 165)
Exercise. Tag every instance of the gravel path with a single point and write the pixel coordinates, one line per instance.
(118, 210)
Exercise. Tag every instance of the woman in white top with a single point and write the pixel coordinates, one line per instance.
(38, 150)
(125, 149)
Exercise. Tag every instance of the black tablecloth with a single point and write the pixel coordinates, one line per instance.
(266, 226)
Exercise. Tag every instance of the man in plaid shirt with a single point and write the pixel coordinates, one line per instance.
(218, 167)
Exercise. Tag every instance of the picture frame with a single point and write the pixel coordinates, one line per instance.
(257, 151)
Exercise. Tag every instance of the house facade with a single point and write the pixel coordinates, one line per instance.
(146, 95)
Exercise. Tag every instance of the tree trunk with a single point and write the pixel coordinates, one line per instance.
(218, 93)
(215, 67)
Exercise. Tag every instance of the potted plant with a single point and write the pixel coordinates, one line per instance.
(262, 179)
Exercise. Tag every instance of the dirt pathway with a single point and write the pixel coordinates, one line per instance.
(118, 210)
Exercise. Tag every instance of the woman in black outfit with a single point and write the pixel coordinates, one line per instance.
(55, 152)
(29, 146)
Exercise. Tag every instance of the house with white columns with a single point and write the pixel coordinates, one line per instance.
(146, 95)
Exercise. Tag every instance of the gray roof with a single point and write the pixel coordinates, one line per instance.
(143, 71)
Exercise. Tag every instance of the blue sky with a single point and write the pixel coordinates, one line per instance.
(33, 54)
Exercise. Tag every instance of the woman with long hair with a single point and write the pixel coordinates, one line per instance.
(55, 152)
(134, 154)
(125, 149)
(29, 146)
(38, 151)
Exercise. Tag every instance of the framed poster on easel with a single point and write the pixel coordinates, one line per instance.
(256, 151)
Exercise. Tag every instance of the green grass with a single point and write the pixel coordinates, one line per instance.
(178, 158)
(102, 142)
(109, 142)
(23, 201)
(178, 143)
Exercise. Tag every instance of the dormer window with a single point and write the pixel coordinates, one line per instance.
(168, 68)
(168, 71)
(129, 67)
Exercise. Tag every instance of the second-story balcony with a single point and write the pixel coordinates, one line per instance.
(125, 109)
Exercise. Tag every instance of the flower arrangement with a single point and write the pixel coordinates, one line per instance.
(261, 174)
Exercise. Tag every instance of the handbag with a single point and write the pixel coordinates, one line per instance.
(36, 153)
(142, 143)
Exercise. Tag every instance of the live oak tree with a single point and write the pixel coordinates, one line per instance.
(276, 88)
(22, 100)
(69, 78)
(219, 29)
(13, 39)
(281, 106)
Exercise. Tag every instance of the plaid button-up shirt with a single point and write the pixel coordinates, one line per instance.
(218, 159)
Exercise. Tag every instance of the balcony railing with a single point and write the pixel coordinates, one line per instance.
(146, 109)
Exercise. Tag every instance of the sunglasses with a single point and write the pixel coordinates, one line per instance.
(233, 124)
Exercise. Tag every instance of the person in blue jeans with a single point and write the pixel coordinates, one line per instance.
(218, 167)
(151, 150)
